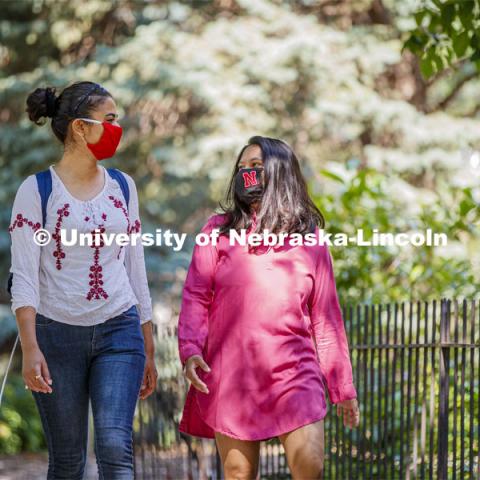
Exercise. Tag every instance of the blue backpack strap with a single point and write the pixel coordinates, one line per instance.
(122, 181)
(44, 182)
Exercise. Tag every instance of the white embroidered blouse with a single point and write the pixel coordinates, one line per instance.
(78, 284)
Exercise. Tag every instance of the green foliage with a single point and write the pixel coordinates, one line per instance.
(364, 201)
(20, 425)
(194, 80)
(446, 32)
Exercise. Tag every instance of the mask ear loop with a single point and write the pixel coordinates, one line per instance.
(91, 120)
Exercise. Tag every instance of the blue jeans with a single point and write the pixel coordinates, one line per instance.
(104, 364)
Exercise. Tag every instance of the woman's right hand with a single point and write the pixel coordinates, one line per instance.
(190, 365)
(34, 364)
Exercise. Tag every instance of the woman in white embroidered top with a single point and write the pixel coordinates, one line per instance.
(84, 312)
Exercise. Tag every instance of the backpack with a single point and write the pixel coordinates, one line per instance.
(44, 183)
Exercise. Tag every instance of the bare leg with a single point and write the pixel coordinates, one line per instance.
(304, 449)
(239, 457)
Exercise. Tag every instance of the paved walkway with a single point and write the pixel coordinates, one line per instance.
(33, 466)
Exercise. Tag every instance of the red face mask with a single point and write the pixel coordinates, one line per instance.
(108, 143)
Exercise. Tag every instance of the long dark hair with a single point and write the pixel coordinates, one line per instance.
(75, 101)
(285, 204)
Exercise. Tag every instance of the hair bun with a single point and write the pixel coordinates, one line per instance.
(42, 102)
(51, 102)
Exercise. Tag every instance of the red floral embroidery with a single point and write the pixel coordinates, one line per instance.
(96, 275)
(20, 221)
(135, 228)
(119, 204)
(59, 253)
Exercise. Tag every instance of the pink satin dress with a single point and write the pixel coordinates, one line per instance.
(270, 327)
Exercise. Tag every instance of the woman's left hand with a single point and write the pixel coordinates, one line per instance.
(350, 411)
(150, 373)
(149, 378)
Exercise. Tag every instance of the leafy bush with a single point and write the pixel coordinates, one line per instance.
(20, 425)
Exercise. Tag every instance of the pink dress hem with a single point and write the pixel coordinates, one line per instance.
(287, 429)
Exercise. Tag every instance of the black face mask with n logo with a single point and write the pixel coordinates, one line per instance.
(248, 184)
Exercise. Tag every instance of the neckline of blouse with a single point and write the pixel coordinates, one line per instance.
(65, 189)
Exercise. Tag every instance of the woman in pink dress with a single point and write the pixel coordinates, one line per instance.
(260, 328)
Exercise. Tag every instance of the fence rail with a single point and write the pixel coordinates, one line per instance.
(416, 368)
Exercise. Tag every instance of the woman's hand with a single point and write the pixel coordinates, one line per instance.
(190, 365)
(350, 411)
(35, 370)
(150, 374)
(33, 361)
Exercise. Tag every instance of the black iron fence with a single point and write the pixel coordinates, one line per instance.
(417, 373)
